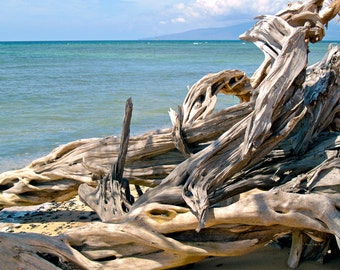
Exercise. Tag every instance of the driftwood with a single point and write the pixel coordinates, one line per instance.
(283, 138)
(150, 158)
(112, 195)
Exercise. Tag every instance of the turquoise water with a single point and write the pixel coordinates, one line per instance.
(56, 92)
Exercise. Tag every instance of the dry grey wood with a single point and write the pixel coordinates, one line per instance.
(159, 236)
(177, 132)
(236, 229)
(278, 168)
(282, 140)
(296, 249)
(112, 195)
(202, 97)
(150, 158)
(250, 140)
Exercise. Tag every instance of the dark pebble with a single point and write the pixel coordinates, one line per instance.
(72, 204)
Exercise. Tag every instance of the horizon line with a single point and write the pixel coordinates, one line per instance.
(147, 39)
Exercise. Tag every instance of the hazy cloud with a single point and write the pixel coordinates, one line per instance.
(205, 8)
(216, 13)
(178, 20)
(122, 19)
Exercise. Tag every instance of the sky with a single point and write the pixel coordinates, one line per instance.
(28, 20)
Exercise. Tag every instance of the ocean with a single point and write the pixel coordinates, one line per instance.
(53, 93)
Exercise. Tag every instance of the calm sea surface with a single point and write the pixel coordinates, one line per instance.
(53, 93)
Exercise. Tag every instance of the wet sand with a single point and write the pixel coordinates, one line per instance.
(55, 218)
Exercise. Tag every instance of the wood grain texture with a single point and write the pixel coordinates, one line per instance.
(283, 138)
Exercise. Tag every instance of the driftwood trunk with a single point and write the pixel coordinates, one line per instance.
(283, 138)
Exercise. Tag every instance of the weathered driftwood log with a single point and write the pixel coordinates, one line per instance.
(282, 140)
(150, 158)
(112, 195)
(247, 142)
(159, 236)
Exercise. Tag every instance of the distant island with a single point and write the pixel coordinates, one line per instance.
(226, 33)
(219, 33)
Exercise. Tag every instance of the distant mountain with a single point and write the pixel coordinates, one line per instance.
(226, 33)
(221, 33)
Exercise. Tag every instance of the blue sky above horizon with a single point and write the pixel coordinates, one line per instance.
(29, 20)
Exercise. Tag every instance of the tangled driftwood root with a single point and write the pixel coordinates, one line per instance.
(282, 138)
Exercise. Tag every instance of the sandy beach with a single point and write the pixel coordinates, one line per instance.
(55, 218)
